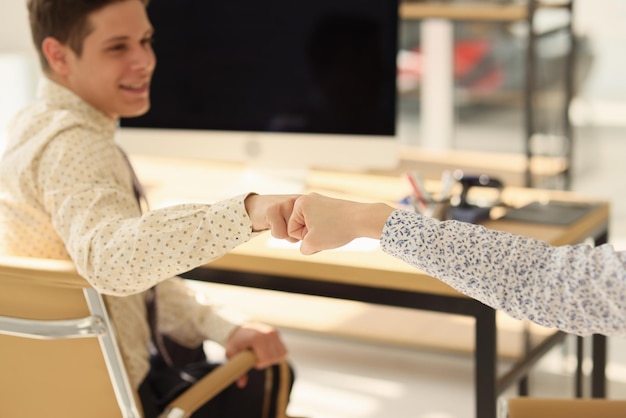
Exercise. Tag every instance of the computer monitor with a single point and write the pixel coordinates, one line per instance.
(278, 84)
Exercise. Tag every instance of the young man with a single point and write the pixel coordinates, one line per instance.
(66, 191)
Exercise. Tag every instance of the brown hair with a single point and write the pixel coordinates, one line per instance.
(65, 20)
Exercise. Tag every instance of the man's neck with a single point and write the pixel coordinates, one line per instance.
(64, 82)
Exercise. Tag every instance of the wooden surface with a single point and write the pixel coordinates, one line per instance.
(167, 179)
(170, 181)
(463, 11)
(471, 11)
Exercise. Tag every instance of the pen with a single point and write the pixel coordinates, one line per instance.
(421, 195)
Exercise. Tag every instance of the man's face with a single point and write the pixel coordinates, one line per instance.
(114, 71)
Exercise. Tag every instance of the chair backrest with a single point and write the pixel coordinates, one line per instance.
(523, 407)
(58, 354)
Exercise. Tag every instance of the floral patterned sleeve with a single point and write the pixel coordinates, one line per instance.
(575, 288)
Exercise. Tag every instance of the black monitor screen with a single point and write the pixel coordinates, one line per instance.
(315, 66)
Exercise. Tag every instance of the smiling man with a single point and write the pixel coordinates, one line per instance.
(112, 68)
(67, 192)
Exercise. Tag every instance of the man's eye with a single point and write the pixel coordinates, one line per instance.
(147, 41)
(117, 47)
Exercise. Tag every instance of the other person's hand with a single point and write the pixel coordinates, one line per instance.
(323, 223)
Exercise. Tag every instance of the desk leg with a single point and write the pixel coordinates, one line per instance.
(598, 375)
(599, 343)
(522, 386)
(580, 356)
(485, 373)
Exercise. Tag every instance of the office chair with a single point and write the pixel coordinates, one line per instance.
(523, 407)
(59, 355)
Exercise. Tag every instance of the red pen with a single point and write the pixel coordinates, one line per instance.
(421, 199)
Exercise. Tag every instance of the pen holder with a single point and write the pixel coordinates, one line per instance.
(439, 209)
(434, 208)
(460, 207)
(423, 201)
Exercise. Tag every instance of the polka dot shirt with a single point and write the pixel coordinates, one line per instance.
(66, 193)
(578, 289)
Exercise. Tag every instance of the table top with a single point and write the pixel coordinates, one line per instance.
(362, 263)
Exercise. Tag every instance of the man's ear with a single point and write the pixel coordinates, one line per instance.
(57, 55)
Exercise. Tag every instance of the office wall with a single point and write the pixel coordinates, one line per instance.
(604, 94)
(14, 34)
(18, 61)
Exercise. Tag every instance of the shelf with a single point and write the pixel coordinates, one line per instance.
(463, 11)
(412, 10)
(533, 165)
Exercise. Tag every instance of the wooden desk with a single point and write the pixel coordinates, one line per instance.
(378, 278)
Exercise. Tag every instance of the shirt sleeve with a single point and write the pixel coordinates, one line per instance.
(576, 288)
(87, 189)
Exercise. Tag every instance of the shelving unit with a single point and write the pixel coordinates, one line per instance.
(527, 12)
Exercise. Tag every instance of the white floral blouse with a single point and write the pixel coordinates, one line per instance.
(575, 288)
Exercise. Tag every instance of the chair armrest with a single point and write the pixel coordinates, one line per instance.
(90, 326)
(209, 386)
(40, 271)
(561, 408)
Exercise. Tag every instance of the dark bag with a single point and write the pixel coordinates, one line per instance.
(174, 368)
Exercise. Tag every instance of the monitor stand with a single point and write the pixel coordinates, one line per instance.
(263, 180)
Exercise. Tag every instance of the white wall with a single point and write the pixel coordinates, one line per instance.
(14, 32)
(18, 61)
(604, 94)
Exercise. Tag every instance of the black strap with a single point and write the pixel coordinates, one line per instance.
(157, 346)
(173, 354)
(138, 189)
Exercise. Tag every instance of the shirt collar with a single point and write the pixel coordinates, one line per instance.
(60, 97)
